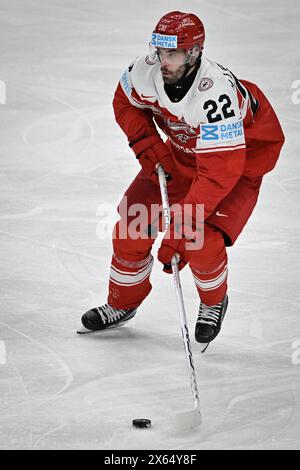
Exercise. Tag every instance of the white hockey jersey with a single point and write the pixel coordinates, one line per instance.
(208, 118)
(221, 129)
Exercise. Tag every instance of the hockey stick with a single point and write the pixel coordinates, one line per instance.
(188, 419)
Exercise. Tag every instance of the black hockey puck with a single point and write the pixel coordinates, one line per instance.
(141, 423)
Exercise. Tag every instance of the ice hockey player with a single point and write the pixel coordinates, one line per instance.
(222, 137)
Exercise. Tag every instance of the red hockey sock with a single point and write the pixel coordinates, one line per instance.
(212, 286)
(129, 282)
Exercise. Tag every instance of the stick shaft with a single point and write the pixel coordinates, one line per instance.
(164, 195)
(185, 332)
(178, 292)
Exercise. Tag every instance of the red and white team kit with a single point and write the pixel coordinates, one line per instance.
(223, 137)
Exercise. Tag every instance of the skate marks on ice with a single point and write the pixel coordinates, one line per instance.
(64, 130)
(254, 405)
(248, 385)
(21, 210)
(234, 418)
(262, 410)
(92, 388)
(263, 402)
(249, 390)
(74, 260)
(80, 268)
(34, 376)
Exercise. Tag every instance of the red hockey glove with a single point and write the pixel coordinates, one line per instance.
(150, 150)
(181, 238)
(170, 245)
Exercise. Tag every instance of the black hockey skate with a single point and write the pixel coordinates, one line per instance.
(209, 321)
(104, 317)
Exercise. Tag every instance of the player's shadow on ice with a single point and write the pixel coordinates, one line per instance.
(135, 336)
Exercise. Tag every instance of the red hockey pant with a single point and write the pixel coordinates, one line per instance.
(132, 260)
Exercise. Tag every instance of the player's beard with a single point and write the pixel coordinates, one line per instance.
(172, 77)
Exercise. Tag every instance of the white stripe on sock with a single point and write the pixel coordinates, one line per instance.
(130, 278)
(211, 284)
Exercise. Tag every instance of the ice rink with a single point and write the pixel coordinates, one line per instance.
(63, 162)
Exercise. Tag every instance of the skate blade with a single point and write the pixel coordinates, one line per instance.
(205, 348)
(85, 331)
(187, 420)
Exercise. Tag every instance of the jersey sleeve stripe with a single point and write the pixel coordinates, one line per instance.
(221, 149)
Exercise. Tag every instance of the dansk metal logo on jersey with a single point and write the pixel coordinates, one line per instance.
(162, 40)
(231, 131)
(125, 83)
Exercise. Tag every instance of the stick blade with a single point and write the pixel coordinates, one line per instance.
(187, 420)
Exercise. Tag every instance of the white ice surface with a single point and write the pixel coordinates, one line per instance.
(61, 157)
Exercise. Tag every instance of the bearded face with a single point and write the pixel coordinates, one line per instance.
(173, 64)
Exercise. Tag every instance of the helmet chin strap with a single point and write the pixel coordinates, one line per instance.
(196, 61)
(188, 68)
